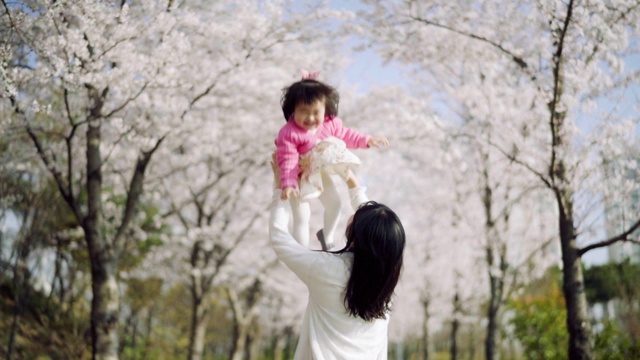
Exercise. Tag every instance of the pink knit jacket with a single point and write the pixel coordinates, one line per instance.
(294, 141)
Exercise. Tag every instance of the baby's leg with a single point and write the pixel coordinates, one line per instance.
(331, 201)
(301, 212)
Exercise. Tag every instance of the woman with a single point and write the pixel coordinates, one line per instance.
(350, 290)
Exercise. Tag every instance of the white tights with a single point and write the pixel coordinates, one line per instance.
(301, 212)
(330, 199)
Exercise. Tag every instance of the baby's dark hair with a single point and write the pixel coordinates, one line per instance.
(309, 91)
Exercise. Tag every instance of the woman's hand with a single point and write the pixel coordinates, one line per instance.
(378, 142)
(289, 190)
(276, 171)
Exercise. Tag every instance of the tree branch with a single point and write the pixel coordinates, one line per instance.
(557, 91)
(620, 237)
(208, 89)
(513, 158)
(4, 4)
(122, 106)
(68, 197)
(232, 296)
(517, 59)
(133, 195)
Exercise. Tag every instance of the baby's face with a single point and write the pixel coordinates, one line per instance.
(309, 116)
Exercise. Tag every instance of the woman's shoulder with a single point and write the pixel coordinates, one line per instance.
(331, 265)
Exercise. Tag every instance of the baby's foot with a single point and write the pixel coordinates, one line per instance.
(325, 246)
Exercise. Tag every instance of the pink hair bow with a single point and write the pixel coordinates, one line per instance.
(306, 75)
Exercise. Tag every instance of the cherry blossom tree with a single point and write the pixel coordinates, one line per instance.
(214, 174)
(77, 91)
(502, 191)
(193, 83)
(438, 192)
(559, 59)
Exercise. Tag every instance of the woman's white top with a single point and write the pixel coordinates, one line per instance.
(328, 331)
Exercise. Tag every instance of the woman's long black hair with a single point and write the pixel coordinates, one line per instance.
(376, 238)
(309, 91)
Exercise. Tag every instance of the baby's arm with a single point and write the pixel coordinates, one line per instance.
(355, 139)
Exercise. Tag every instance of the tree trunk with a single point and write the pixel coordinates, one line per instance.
(200, 287)
(491, 255)
(492, 326)
(472, 343)
(239, 340)
(279, 344)
(254, 341)
(425, 329)
(242, 320)
(105, 302)
(580, 347)
(104, 306)
(198, 327)
(20, 287)
(149, 332)
(496, 288)
(290, 347)
(455, 324)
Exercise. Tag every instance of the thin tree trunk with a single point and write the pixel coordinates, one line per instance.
(495, 280)
(200, 286)
(472, 343)
(580, 347)
(290, 343)
(496, 259)
(455, 324)
(241, 323)
(279, 344)
(496, 288)
(242, 320)
(254, 341)
(492, 317)
(238, 342)
(425, 329)
(198, 327)
(21, 273)
(149, 332)
(20, 288)
(105, 302)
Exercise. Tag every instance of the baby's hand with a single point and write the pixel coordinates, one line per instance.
(288, 192)
(378, 142)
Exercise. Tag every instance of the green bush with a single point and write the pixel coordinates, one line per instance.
(539, 323)
(613, 344)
